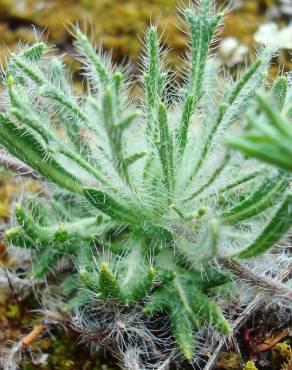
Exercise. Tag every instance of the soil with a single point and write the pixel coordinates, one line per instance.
(263, 343)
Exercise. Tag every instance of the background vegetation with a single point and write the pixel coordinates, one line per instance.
(118, 24)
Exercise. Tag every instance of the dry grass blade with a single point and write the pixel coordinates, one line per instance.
(251, 309)
(17, 166)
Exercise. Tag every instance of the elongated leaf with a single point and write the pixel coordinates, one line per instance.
(165, 148)
(109, 205)
(80, 299)
(90, 280)
(133, 158)
(271, 140)
(275, 118)
(34, 52)
(154, 80)
(37, 233)
(58, 96)
(207, 310)
(32, 152)
(17, 237)
(279, 92)
(261, 199)
(240, 93)
(45, 261)
(108, 284)
(188, 309)
(30, 72)
(202, 26)
(182, 135)
(98, 68)
(183, 333)
(276, 228)
(212, 177)
(136, 276)
(84, 229)
(38, 211)
(262, 148)
(128, 120)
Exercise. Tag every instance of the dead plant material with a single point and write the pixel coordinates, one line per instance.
(33, 335)
(251, 309)
(270, 342)
(4, 257)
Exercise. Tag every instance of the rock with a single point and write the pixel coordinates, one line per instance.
(232, 52)
(270, 33)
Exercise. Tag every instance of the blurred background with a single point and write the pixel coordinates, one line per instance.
(119, 25)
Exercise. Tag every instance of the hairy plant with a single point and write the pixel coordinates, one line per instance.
(268, 134)
(143, 196)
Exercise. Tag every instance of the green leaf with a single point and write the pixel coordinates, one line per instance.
(134, 273)
(165, 149)
(32, 72)
(107, 204)
(262, 198)
(202, 26)
(59, 76)
(188, 308)
(154, 80)
(80, 299)
(279, 92)
(268, 140)
(34, 52)
(273, 232)
(84, 229)
(38, 211)
(241, 92)
(212, 178)
(183, 332)
(101, 73)
(182, 135)
(274, 116)
(45, 260)
(238, 86)
(260, 147)
(18, 238)
(108, 284)
(33, 152)
(128, 120)
(239, 181)
(133, 158)
(90, 279)
(37, 233)
(64, 101)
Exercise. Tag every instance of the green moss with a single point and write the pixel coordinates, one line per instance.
(250, 365)
(13, 311)
(64, 354)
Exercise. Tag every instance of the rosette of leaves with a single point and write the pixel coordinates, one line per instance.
(144, 194)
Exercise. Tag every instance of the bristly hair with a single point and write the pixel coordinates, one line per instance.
(147, 215)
